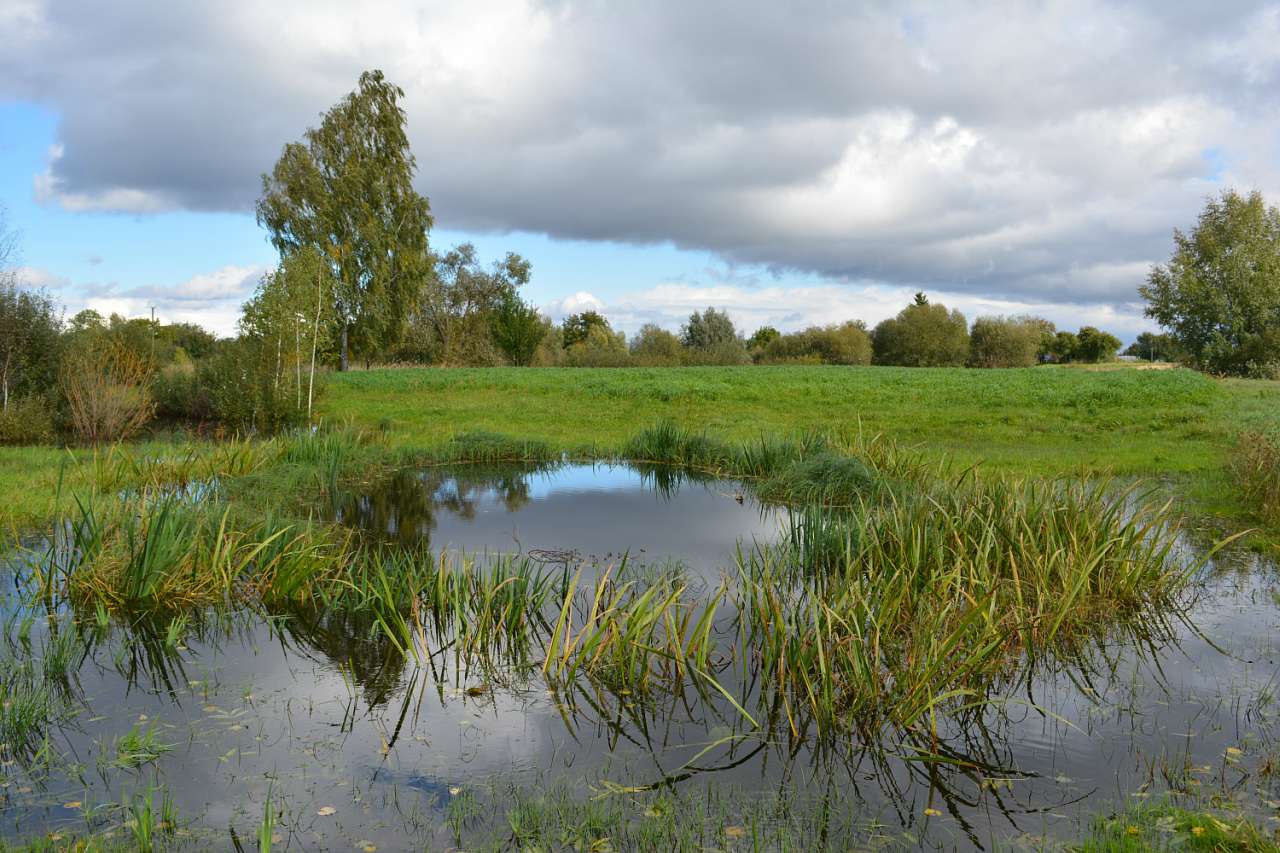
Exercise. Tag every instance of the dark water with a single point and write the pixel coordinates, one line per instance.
(295, 707)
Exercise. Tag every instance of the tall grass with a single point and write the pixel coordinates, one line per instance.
(1256, 466)
(482, 615)
(631, 638)
(892, 611)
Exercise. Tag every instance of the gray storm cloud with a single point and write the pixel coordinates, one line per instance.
(1037, 151)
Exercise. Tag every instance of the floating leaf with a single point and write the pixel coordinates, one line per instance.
(734, 832)
(74, 804)
(325, 811)
(932, 813)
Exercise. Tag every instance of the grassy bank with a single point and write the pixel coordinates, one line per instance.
(1175, 424)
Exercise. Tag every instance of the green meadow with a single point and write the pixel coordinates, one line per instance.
(1177, 425)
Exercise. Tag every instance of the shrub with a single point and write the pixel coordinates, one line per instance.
(656, 347)
(27, 420)
(726, 352)
(243, 391)
(1005, 341)
(599, 347)
(847, 343)
(178, 394)
(108, 391)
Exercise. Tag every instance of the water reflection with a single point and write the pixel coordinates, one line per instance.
(315, 705)
(566, 513)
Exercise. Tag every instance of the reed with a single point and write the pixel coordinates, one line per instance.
(488, 615)
(889, 612)
(631, 638)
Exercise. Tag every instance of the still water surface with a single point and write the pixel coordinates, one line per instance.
(305, 707)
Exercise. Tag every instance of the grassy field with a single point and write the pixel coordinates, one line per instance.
(1175, 424)
(1040, 420)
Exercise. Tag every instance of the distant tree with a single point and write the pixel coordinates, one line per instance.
(708, 330)
(1093, 346)
(194, 340)
(29, 330)
(347, 192)
(517, 330)
(1005, 341)
(589, 341)
(1219, 295)
(455, 321)
(576, 328)
(87, 320)
(1062, 348)
(654, 346)
(922, 335)
(847, 343)
(1152, 347)
(762, 337)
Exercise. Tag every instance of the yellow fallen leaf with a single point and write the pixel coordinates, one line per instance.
(1197, 830)
(367, 846)
(1132, 830)
(1231, 750)
(74, 804)
(932, 813)
(453, 792)
(734, 832)
(325, 811)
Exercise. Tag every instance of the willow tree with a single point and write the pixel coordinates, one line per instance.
(347, 191)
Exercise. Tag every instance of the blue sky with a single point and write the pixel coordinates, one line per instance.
(652, 159)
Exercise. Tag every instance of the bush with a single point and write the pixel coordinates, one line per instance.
(599, 346)
(1005, 342)
(728, 352)
(108, 391)
(27, 420)
(847, 343)
(240, 387)
(178, 394)
(656, 347)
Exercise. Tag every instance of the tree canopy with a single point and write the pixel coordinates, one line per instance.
(347, 191)
(708, 330)
(1219, 294)
(924, 334)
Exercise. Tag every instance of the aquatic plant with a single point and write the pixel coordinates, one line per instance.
(137, 747)
(631, 637)
(907, 604)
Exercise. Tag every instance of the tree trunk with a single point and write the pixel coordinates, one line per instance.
(8, 357)
(344, 361)
(315, 338)
(297, 356)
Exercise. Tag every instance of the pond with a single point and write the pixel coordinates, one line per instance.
(362, 748)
